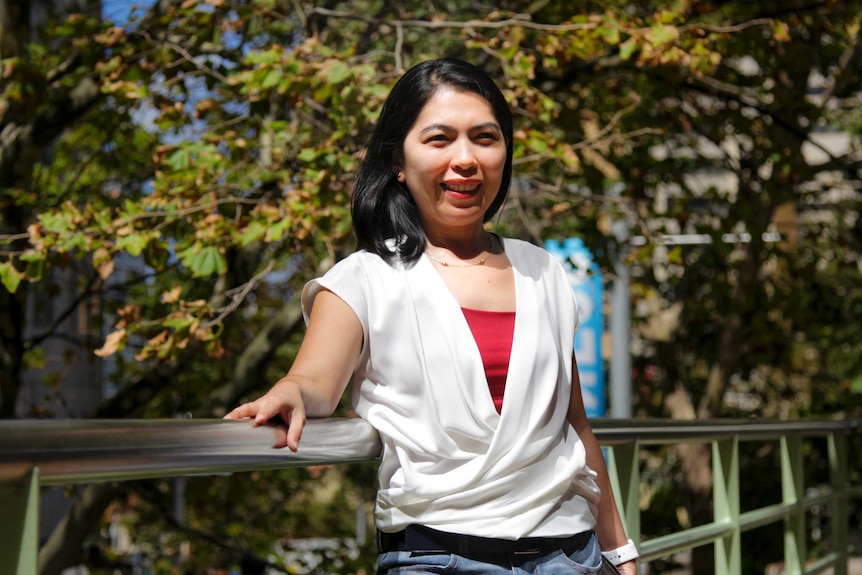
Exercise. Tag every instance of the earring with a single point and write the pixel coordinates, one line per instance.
(399, 176)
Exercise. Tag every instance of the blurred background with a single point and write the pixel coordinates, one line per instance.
(172, 172)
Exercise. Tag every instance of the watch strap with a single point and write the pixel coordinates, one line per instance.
(620, 555)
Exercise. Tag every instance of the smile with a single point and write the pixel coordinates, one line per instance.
(462, 189)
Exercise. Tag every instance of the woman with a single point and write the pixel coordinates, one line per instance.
(459, 346)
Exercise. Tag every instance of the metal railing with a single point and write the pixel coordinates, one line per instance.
(37, 453)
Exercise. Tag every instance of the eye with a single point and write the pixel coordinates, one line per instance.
(437, 139)
(487, 137)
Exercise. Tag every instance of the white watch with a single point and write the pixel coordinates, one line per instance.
(622, 554)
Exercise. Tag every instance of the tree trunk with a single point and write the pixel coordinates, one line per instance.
(65, 546)
(14, 26)
(11, 350)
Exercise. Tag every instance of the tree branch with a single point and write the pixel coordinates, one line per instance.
(66, 313)
(843, 62)
(522, 21)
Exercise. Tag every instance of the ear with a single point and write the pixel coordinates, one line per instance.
(397, 165)
(398, 169)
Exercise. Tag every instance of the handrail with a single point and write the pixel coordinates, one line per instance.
(77, 451)
(56, 452)
(72, 450)
(664, 431)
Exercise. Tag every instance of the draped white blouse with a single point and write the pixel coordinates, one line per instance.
(449, 460)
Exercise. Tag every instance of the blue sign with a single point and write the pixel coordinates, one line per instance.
(586, 280)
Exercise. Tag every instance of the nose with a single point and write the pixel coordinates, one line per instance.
(464, 157)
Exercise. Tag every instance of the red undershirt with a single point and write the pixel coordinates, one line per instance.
(493, 332)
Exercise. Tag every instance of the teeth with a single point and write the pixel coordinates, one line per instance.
(460, 188)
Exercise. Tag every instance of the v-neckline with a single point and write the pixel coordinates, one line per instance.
(453, 308)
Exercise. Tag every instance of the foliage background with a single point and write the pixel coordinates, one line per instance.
(169, 182)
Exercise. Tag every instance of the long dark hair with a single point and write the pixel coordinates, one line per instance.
(383, 209)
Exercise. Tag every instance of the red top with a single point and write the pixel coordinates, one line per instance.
(493, 332)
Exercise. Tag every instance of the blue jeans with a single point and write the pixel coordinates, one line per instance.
(584, 561)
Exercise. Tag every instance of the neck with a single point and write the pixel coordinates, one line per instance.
(462, 246)
(469, 252)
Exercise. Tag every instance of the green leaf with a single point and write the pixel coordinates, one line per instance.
(73, 243)
(662, 35)
(252, 233)
(277, 230)
(609, 35)
(628, 48)
(336, 72)
(179, 160)
(133, 244)
(179, 323)
(204, 262)
(272, 78)
(35, 264)
(307, 155)
(54, 222)
(10, 277)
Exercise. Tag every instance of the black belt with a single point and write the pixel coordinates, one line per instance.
(420, 538)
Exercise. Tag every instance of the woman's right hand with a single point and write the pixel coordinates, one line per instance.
(284, 401)
(318, 375)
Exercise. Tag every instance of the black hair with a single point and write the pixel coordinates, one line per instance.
(383, 209)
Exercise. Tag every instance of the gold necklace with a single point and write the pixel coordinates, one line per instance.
(444, 263)
(481, 262)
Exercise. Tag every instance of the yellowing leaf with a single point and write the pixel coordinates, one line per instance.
(661, 35)
(172, 295)
(103, 262)
(115, 341)
(781, 31)
(105, 269)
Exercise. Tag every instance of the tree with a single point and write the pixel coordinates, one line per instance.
(184, 160)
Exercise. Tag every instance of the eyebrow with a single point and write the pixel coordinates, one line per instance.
(445, 128)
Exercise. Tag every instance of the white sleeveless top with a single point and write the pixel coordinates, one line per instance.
(449, 460)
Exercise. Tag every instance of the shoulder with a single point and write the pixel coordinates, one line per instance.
(355, 279)
(538, 264)
(523, 247)
(363, 260)
(530, 257)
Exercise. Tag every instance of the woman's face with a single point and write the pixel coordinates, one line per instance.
(453, 159)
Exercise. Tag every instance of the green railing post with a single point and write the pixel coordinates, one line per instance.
(840, 507)
(793, 495)
(725, 472)
(19, 524)
(624, 471)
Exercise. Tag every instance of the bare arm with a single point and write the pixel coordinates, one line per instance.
(318, 376)
(609, 527)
